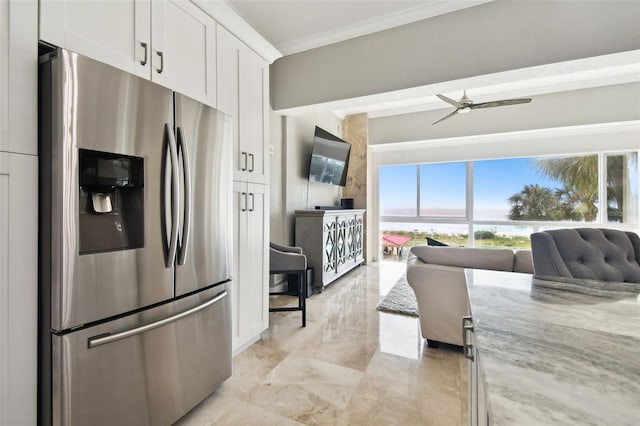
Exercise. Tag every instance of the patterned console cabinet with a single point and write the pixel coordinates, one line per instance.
(332, 241)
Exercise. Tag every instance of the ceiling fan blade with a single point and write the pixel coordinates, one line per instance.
(501, 103)
(449, 101)
(446, 116)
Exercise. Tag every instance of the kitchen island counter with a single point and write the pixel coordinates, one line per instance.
(551, 356)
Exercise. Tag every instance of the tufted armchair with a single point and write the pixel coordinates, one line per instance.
(587, 253)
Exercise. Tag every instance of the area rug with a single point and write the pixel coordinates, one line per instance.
(400, 300)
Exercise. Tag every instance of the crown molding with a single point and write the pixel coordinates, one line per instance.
(228, 18)
(429, 9)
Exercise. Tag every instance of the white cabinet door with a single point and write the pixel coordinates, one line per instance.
(250, 291)
(171, 42)
(253, 119)
(18, 76)
(184, 49)
(228, 49)
(114, 32)
(243, 88)
(18, 288)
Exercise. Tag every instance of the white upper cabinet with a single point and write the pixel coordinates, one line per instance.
(252, 117)
(171, 42)
(243, 87)
(184, 49)
(114, 32)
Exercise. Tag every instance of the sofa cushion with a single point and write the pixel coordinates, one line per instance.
(465, 257)
(523, 262)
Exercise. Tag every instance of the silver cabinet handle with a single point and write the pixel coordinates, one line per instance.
(253, 201)
(144, 46)
(244, 194)
(104, 339)
(161, 55)
(467, 328)
(244, 156)
(253, 163)
(186, 170)
(173, 153)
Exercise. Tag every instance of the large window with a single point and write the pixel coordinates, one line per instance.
(443, 190)
(622, 188)
(499, 203)
(537, 189)
(398, 188)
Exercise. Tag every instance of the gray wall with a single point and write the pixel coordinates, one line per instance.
(489, 38)
(276, 174)
(290, 186)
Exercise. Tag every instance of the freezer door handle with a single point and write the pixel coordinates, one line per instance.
(175, 182)
(186, 170)
(108, 338)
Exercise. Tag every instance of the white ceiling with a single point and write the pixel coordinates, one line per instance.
(293, 26)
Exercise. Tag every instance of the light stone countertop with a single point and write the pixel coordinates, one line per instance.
(554, 357)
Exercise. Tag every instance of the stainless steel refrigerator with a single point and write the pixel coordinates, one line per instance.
(135, 247)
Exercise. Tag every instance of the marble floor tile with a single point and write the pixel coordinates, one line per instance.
(351, 365)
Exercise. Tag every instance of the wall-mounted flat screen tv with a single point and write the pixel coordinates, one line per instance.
(329, 159)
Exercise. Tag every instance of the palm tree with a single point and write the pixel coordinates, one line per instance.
(579, 175)
(533, 203)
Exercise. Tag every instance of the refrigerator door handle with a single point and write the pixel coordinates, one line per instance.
(173, 240)
(186, 170)
(104, 339)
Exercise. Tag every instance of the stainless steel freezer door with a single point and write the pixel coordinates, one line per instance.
(206, 228)
(100, 108)
(150, 378)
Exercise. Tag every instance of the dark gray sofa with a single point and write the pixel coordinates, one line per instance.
(587, 253)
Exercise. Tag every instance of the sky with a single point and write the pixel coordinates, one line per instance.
(443, 185)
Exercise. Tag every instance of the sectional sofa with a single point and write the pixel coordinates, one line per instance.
(436, 275)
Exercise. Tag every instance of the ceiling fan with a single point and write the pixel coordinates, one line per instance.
(464, 105)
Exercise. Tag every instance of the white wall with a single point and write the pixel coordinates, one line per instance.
(578, 107)
(486, 39)
(290, 172)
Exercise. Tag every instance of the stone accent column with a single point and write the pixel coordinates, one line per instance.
(355, 130)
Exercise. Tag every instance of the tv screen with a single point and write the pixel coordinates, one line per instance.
(329, 159)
